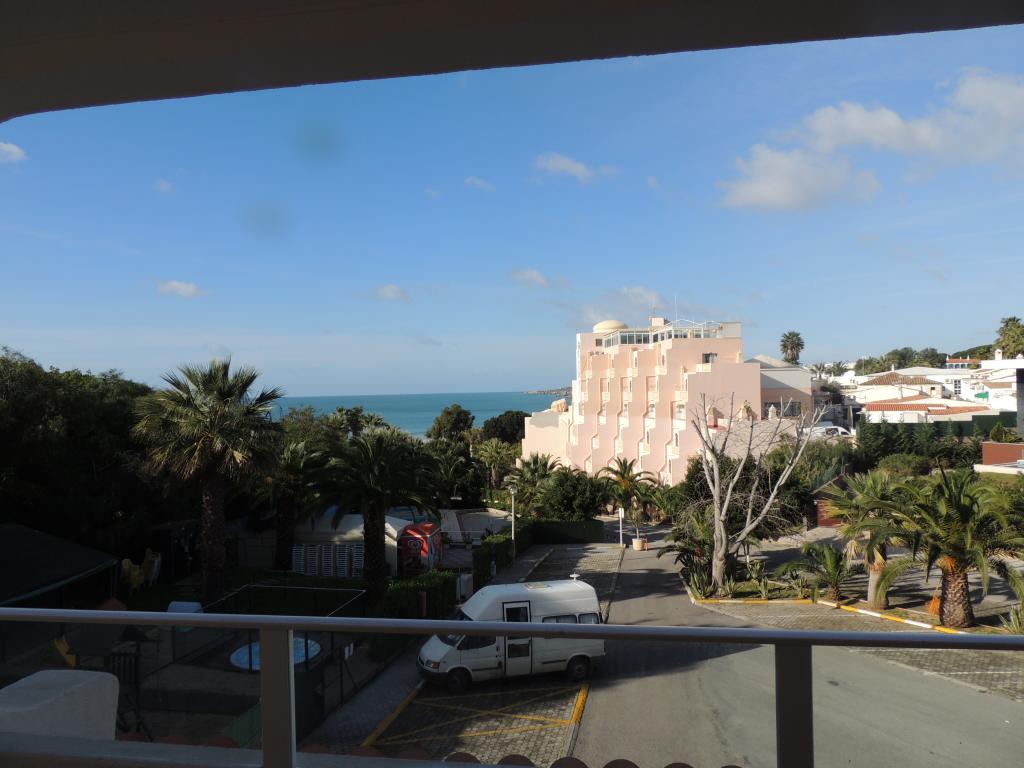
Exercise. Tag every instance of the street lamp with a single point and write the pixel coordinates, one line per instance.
(622, 515)
(512, 491)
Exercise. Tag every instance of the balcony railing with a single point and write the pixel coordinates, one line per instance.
(702, 368)
(794, 701)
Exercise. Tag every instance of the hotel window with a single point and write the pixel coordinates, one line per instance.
(956, 387)
(709, 357)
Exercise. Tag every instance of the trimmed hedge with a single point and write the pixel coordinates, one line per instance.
(402, 598)
(568, 532)
(402, 601)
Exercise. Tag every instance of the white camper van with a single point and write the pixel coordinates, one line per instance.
(458, 660)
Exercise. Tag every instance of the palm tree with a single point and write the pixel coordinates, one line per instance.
(838, 368)
(452, 469)
(958, 525)
(867, 525)
(498, 456)
(528, 477)
(791, 345)
(292, 493)
(207, 427)
(354, 421)
(376, 471)
(829, 566)
(819, 370)
(628, 488)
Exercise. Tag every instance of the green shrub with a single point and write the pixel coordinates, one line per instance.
(497, 548)
(402, 601)
(902, 465)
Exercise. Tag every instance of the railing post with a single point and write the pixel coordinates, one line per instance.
(277, 698)
(794, 707)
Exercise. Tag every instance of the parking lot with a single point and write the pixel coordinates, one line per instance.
(533, 717)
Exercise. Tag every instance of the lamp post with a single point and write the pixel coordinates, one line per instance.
(622, 514)
(512, 491)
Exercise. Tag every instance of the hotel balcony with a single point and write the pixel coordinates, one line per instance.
(702, 368)
(602, 418)
(624, 420)
(777, 664)
(672, 451)
(627, 396)
(645, 448)
(652, 395)
(618, 446)
(681, 395)
(632, 373)
(605, 396)
(661, 370)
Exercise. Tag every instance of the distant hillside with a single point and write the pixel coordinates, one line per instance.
(559, 392)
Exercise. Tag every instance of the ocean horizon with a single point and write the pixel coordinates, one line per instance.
(416, 412)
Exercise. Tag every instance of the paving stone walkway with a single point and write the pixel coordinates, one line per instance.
(1000, 672)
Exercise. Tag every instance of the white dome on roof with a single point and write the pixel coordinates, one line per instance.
(606, 326)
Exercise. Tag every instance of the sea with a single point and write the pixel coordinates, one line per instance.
(415, 413)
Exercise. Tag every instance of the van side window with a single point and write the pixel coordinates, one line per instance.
(590, 618)
(471, 643)
(566, 619)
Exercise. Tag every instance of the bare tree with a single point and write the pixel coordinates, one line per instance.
(750, 440)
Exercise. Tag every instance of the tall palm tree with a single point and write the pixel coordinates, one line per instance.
(452, 469)
(354, 421)
(628, 488)
(791, 345)
(291, 491)
(498, 456)
(958, 525)
(378, 470)
(867, 525)
(830, 566)
(207, 427)
(528, 477)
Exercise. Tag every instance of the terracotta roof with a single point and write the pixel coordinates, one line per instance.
(963, 360)
(998, 384)
(892, 377)
(909, 399)
(933, 409)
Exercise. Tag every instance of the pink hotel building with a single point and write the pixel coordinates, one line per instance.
(636, 388)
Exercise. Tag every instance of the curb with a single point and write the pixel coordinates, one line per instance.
(611, 591)
(535, 566)
(577, 718)
(897, 619)
(744, 600)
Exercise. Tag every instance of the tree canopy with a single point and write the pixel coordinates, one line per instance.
(1010, 337)
(451, 424)
(509, 427)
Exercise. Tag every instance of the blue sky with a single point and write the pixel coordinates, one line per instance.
(451, 233)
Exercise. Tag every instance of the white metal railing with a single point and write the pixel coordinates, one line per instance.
(794, 707)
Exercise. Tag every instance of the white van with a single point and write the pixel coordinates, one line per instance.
(458, 660)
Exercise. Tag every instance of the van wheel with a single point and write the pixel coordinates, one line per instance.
(458, 681)
(578, 668)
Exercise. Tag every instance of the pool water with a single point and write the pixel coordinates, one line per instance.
(241, 657)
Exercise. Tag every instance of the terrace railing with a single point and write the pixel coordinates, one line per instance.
(794, 701)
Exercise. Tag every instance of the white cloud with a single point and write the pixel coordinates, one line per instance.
(652, 182)
(982, 121)
(562, 165)
(179, 288)
(11, 153)
(531, 277)
(475, 182)
(163, 186)
(795, 180)
(630, 304)
(392, 292)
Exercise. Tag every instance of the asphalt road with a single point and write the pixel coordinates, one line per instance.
(657, 703)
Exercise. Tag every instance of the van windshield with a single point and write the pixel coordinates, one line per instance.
(453, 640)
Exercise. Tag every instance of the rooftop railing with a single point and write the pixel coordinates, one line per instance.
(794, 701)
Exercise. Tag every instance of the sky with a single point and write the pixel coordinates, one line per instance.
(452, 233)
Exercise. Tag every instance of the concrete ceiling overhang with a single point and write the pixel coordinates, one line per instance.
(60, 54)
